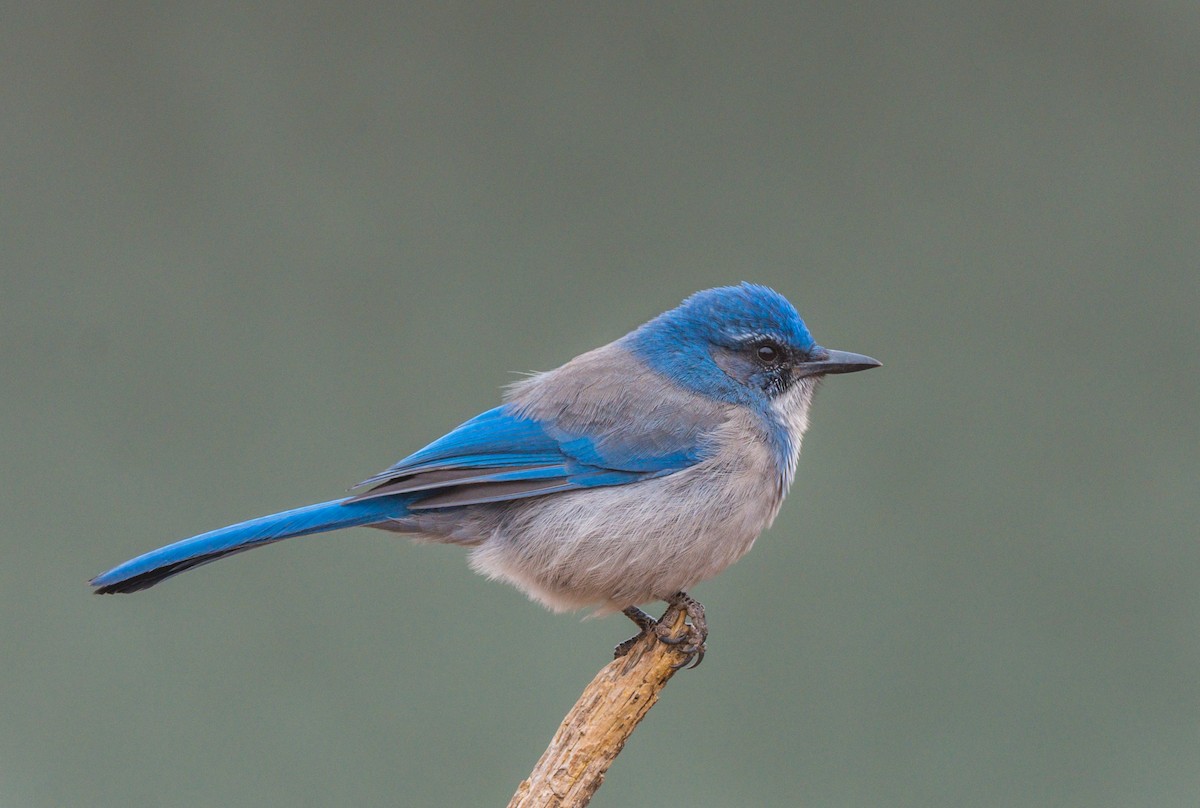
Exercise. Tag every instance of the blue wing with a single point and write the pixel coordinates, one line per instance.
(503, 455)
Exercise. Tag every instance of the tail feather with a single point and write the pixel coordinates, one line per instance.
(158, 565)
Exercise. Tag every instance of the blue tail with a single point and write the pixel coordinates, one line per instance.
(158, 565)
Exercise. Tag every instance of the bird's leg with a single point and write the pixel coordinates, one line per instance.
(697, 627)
(696, 634)
(645, 623)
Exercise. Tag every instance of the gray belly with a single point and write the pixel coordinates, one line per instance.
(613, 547)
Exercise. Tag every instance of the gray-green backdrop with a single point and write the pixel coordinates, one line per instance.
(252, 253)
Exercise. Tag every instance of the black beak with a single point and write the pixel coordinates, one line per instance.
(824, 361)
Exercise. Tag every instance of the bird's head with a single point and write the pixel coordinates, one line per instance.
(742, 344)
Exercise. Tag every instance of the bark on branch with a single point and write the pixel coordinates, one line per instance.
(595, 730)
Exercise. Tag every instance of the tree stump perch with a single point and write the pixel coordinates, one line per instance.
(595, 730)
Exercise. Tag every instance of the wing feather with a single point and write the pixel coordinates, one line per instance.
(503, 454)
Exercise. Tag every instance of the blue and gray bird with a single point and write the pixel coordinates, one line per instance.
(628, 475)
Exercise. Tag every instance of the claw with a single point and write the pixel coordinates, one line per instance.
(693, 655)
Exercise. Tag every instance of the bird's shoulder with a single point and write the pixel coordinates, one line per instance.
(616, 399)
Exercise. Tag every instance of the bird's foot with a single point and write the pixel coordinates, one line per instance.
(694, 637)
(697, 628)
(645, 623)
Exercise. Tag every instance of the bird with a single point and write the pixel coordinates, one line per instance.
(626, 476)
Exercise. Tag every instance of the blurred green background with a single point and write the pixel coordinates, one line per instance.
(252, 255)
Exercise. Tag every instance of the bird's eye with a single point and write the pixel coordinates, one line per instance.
(768, 353)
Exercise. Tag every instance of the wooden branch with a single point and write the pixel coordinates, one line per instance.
(595, 730)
